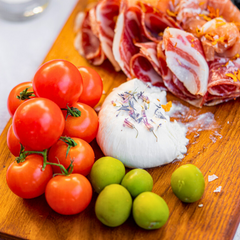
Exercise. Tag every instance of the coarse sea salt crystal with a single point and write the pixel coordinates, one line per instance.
(212, 178)
(222, 60)
(218, 189)
(200, 205)
(230, 64)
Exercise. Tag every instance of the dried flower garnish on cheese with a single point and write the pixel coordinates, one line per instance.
(129, 125)
(147, 124)
(218, 189)
(212, 178)
(124, 108)
(149, 127)
(158, 113)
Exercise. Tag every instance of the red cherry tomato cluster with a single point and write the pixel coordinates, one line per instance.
(53, 122)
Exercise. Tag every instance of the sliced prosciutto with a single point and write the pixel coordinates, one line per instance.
(178, 89)
(185, 58)
(155, 21)
(137, 22)
(145, 65)
(127, 33)
(87, 42)
(107, 12)
(186, 9)
(224, 81)
(142, 68)
(170, 43)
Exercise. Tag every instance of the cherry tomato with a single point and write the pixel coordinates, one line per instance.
(82, 155)
(38, 123)
(92, 86)
(13, 102)
(69, 194)
(85, 126)
(13, 142)
(59, 81)
(27, 179)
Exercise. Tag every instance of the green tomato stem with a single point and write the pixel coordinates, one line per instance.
(70, 142)
(71, 111)
(25, 94)
(63, 169)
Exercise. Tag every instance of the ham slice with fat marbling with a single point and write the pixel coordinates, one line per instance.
(185, 58)
(224, 81)
(107, 12)
(154, 22)
(87, 41)
(146, 66)
(127, 33)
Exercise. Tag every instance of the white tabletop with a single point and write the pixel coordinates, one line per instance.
(23, 47)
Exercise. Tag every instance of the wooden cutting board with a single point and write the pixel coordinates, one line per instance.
(217, 219)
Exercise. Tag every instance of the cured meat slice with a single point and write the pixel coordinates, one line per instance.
(226, 9)
(224, 80)
(186, 9)
(142, 68)
(107, 12)
(221, 38)
(178, 89)
(184, 56)
(165, 72)
(87, 42)
(145, 65)
(127, 33)
(155, 21)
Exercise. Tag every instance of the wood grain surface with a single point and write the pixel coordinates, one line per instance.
(218, 218)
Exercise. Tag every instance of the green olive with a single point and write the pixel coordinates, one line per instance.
(137, 181)
(113, 205)
(106, 171)
(150, 211)
(188, 183)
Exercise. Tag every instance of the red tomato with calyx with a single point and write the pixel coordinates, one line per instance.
(59, 81)
(13, 102)
(82, 155)
(38, 123)
(27, 179)
(85, 126)
(92, 86)
(69, 194)
(13, 142)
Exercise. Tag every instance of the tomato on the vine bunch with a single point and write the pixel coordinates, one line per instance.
(67, 149)
(38, 123)
(59, 81)
(52, 126)
(27, 179)
(68, 194)
(18, 95)
(13, 142)
(85, 126)
(92, 86)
